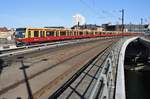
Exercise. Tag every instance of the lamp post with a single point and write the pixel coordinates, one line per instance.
(141, 24)
(122, 21)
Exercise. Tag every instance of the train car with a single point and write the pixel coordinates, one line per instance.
(28, 36)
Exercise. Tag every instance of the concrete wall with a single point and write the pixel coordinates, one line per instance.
(120, 83)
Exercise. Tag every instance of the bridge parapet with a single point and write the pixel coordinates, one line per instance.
(98, 77)
(107, 77)
(111, 78)
(104, 76)
(120, 79)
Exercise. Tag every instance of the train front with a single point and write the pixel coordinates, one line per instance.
(20, 36)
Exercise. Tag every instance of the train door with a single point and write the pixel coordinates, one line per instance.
(29, 34)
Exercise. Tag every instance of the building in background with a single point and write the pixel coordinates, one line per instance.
(127, 27)
(136, 27)
(7, 38)
(55, 27)
(6, 34)
(88, 26)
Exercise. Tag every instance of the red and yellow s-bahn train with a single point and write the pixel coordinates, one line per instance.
(27, 36)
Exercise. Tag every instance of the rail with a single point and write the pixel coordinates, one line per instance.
(41, 71)
(100, 74)
(96, 79)
(27, 49)
(94, 63)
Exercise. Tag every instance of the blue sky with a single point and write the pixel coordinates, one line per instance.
(40, 13)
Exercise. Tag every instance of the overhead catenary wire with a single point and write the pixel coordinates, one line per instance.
(99, 14)
(92, 10)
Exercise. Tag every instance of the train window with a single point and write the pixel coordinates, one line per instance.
(57, 33)
(36, 33)
(62, 33)
(92, 32)
(81, 33)
(71, 33)
(20, 32)
(68, 33)
(29, 34)
(49, 33)
(87, 32)
(75, 33)
(41, 33)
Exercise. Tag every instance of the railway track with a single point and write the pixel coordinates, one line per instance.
(81, 83)
(38, 47)
(86, 83)
(14, 85)
(9, 54)
(42, 71)
(83, 79)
